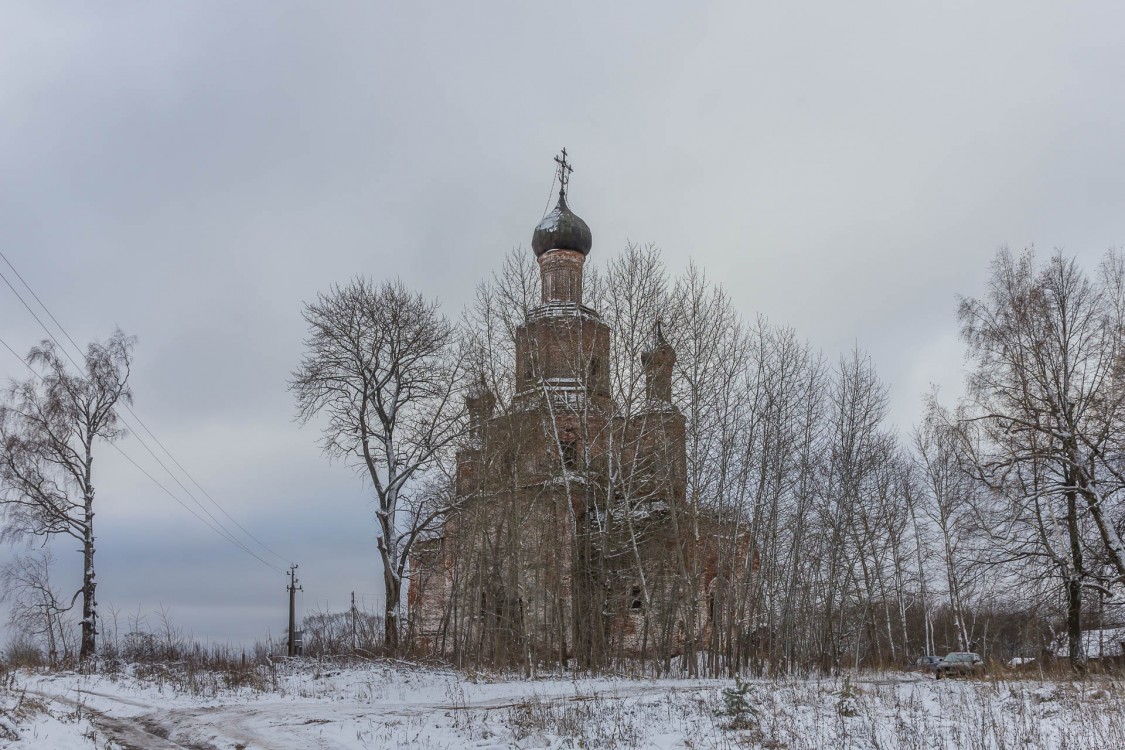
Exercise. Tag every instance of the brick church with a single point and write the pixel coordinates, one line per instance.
(571, 537)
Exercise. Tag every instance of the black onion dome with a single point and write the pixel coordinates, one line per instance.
(561, 229)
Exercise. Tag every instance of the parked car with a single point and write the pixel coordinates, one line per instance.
(959, 662)
(925, 663)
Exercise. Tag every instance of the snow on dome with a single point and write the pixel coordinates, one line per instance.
(561, 229)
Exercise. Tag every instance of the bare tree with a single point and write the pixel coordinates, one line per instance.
(761, 516)
(850, 502)
(37, 611)
(948, 503)
(1047, 411)
(500, 306)
(48, 428)
(383, 369)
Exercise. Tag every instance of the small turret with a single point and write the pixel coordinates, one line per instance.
(480, 403)
(658, 363)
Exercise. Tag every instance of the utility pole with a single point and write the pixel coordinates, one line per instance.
(355, 640)
(293, 589)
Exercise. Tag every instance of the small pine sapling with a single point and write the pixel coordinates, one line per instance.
(846, 704)
(737, 706)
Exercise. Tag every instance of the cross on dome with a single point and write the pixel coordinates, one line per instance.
(561, 229)
(564, 170)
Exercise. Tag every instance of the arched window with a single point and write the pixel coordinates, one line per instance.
(637, 598)
(570, 454)
(528, 366)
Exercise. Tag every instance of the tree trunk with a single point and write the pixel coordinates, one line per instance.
(89, 584)
(49, 618)
(390, 614)
(1075, 652)
(1074, 622)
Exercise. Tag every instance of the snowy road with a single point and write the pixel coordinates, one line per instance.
(288, 725)
(434, 711)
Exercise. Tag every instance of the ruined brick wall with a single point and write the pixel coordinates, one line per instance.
(572, 537)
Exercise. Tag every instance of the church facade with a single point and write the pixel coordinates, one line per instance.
(571, 537)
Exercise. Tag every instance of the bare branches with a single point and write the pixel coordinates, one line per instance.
(793, 527)
(48, 428)
(1047, 404)
(383, 372)
(37, 609)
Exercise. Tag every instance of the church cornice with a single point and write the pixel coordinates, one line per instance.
(553, 310)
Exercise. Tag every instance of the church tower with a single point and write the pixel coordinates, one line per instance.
(562, 351)
(561, 242)
(564, 498)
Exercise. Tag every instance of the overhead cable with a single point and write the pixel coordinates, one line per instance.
(226, 534)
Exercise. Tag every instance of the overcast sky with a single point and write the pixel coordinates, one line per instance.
(193, 172)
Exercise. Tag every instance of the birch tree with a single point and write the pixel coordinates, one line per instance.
(49, 426)
(382, 369)
(858, 446)
(1047, 405)
(948, 505)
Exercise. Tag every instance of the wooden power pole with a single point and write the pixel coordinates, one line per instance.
(293, 589)
(355, 639)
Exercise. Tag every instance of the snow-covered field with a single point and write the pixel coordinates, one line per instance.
(395, 705)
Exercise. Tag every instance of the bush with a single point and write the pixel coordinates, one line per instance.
(21, 651)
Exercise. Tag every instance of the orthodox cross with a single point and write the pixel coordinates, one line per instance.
(564, 173)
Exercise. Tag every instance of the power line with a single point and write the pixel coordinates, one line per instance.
(140, 440)
(37, 320)
(21, 359)
(188, 508)
(217, 529)
(206, 494)
(36, 296)
(128, 408)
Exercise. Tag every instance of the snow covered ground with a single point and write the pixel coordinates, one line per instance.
(395, 705)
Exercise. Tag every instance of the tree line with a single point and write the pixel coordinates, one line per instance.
(995, 524)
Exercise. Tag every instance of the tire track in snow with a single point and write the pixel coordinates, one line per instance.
(310, 724)
(131, 733)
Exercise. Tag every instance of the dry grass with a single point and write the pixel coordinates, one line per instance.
(875, 713)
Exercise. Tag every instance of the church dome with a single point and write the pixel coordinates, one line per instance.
(561, 229)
